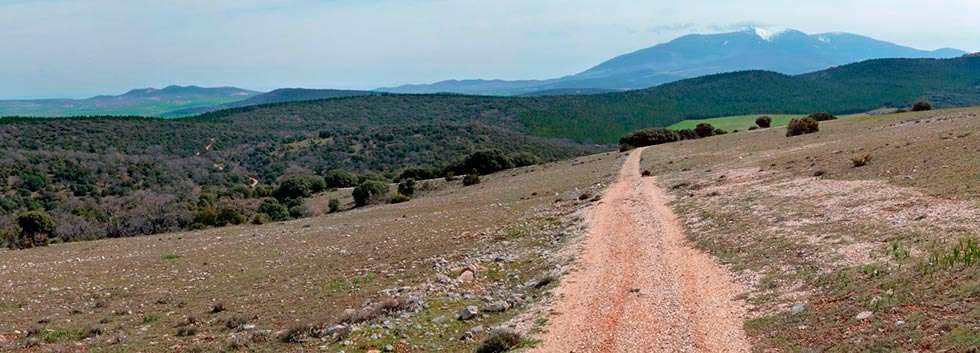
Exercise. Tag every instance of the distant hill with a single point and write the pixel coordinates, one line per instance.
(568, 92)
(786, 51)
(282, 95)
(147, 102)
(850, 88)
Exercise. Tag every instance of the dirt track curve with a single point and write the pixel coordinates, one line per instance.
(639, 286)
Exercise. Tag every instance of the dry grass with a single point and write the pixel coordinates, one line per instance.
(303, 271)
(804, 227)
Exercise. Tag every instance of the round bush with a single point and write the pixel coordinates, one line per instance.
(704, 130)
(407, 187)
(921, 106)
(369, 191)
(471, 179)
(763, 121)
(274, 210)
(340, 179)
(802, 126)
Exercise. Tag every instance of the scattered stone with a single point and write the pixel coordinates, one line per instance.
(863, 315)
(466, 276)
(497, 307)
(389, 348)
(443, 279)
(473, 332)
(468, 313)
(798, 308)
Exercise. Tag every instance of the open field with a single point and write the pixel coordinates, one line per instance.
(159, 293)
(843, 258)
(732, 123)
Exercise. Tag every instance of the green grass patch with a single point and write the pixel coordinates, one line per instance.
(738, 122)
(170, 257)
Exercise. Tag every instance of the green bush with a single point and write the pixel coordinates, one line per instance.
(647, 137)
(525, 159)
(704, 130)
(369, 191)
(471, 179)
(276, 211)
(484, 162)
(300, 211)
(36, 227)
(294, 188)
(763, 122)
(334, 205)
(340, 179)
(802, 126)
(420, 173)
(720, 132)
(921, 106)
(822, 116)
(687, 134)
(407, 187)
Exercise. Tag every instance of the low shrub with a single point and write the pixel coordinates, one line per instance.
(822, 116)
(36, 227)
(484, 162)
(647, 137)
(276, 211)
(369, 191)
(399, 198)
(704, 130)
(334, 205)
(763, 122)
(753, 128)
(803, 126)
(687, 134)
(524, 159)
(720, 132)
(860, 161)
(296, 334)
(921, 106)
(407, 187)
(499, 340)
(471, 179)
(419, 173)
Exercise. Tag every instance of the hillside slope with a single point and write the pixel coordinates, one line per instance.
(851, 88)
(147, 102)
(282, 95)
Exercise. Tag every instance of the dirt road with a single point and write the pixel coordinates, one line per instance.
(639, 287)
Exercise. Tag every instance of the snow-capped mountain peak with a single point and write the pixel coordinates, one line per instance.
(769, 33)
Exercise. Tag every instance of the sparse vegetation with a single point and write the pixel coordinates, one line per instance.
(860, 161)
(471, 179)
(822, 116)
(499, 341)
(334, 205)
(803, 126)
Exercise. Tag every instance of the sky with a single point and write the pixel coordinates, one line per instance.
(80, 48)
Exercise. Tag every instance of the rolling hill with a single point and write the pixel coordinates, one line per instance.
(787, 51)
(281, 95)
(147, 102)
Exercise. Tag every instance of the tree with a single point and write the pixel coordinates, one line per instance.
(484, 162)
(647, 137)
(407, 187)
(525, 159)
(340, 179)
(274, 210)
(763, 121)
(294, 188)
(704, 130)
(369, 191)
(35, 229)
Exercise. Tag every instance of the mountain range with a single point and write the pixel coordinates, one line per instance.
(144, 102)
(784, 51)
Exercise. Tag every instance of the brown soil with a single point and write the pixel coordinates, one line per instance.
(639, 287)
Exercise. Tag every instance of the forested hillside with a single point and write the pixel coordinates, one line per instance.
(847, 89)
(115, 177)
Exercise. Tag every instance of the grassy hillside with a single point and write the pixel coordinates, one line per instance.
(842, 256)
(731, 123)
(847, 89)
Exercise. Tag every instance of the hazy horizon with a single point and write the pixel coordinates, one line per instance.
(75, 49)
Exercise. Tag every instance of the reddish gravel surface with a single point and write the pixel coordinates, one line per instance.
(638, 285)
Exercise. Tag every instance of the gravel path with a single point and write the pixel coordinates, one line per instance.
(639, 287)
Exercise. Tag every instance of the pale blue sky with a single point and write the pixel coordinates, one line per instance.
(76, 48)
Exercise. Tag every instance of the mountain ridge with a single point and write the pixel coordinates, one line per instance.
(785, 51)
(140, 101)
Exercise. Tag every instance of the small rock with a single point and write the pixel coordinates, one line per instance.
(466, 276)
(443, 279)
(798, 308)
(473, 332)
(863, 315)
(468, 313)
(389, 348)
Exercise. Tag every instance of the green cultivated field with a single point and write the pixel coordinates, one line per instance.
(739, 122)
